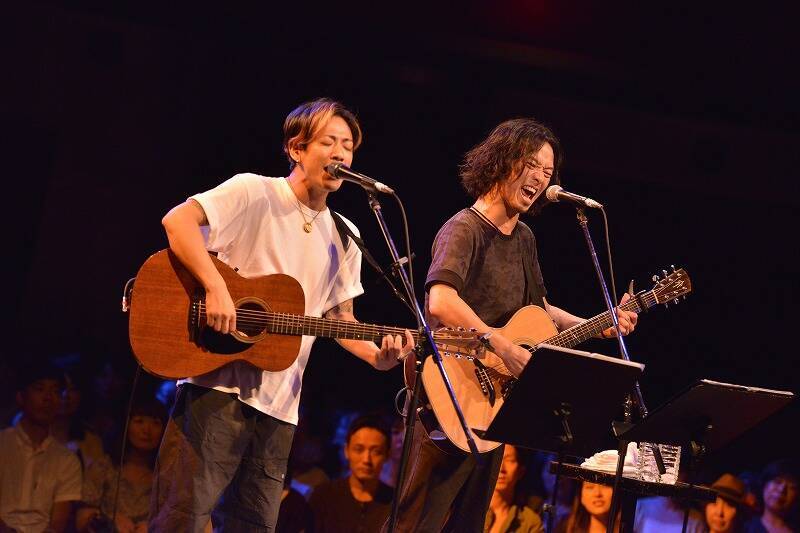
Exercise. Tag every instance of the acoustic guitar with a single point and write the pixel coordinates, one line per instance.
(481, 381)
(170, 338)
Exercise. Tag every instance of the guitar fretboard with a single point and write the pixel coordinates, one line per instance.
(289, 324)
(587, 329)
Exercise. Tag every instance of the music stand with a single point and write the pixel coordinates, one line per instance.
(704, 417)
(708, 413)
(564, 402)
(592, 387)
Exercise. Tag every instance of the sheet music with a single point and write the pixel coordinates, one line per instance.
(747, 388)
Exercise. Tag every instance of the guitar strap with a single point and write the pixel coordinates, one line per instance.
(345, 232)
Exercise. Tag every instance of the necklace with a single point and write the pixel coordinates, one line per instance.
(306, 223)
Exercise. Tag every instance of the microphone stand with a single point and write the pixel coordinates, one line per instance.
(639, 400)
(424, 345)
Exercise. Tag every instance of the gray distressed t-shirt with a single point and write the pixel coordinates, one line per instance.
(486, 267)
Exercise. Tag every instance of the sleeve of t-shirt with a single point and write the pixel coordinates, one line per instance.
(70, 480)
(347, 284)
(451, 254)
(225, 207)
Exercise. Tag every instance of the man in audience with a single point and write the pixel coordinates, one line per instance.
(39, 477)
(360, 502)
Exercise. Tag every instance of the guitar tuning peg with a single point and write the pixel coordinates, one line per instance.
(473, 330)
(656, 278)
(461, 328)
(673, 268)
(684, 296)
(676, 300)
(666, 305)
(665, 273)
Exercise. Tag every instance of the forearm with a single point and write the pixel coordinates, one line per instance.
(562, 319)
(450, 310)
(367, 351)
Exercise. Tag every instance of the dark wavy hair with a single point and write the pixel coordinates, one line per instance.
(504, 151)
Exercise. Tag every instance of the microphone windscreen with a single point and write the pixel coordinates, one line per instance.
(552, 192)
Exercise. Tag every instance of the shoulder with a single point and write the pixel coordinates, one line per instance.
(64, 459)
(524, 230)
(384, 493)
(99, 466)
(347, 221)
(463, 226)
(528, 515)
(465, 218)
(323, 492)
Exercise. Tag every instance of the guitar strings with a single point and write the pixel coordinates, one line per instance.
(298, 323)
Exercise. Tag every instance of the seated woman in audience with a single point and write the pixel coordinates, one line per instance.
(134, 475)
(589, 510)
(507, 511)
(726, 514)
(779, 498)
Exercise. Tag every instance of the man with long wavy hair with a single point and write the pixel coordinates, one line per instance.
(484, 268)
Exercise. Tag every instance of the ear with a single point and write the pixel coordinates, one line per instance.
(295, 149)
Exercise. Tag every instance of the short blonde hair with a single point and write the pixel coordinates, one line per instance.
(307, 119)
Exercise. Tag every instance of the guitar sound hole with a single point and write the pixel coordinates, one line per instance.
(250, 320)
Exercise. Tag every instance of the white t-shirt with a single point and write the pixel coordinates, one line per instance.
(255, 225)
(33, 479)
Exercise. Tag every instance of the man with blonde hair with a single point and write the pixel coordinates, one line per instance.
(228, 438)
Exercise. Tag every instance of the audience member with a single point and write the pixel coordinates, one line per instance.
(295, 514)
(117, 488)
(360, 502)
(70, 426)
(507, 510)
(39, 477)
(392, 464)
(778, 498)
(305, 457)
(726, 514)
(664, 515)
(110, 390)
(540, 483)
(590, 510)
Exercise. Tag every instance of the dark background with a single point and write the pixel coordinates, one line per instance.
(682, 121)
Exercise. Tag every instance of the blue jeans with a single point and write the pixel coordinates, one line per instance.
(219, 454)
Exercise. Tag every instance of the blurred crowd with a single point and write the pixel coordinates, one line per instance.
(79, 446)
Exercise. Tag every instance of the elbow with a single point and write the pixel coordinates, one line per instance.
(437, 307)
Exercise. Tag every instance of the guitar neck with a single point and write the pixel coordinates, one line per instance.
(287, 324)
(587, 329)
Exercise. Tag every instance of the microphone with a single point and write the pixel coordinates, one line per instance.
(342, 171)
(555, 193)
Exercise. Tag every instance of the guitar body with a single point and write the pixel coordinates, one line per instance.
(168, 342)
(481, 381)
(528, 327)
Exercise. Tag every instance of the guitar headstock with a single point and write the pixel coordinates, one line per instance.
(671, 286)
(459, 341)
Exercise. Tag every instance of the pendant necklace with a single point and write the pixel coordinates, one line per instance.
(306, 223)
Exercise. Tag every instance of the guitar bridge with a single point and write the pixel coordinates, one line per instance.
(484, 381)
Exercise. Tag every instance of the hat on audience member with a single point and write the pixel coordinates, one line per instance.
(730, 488)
